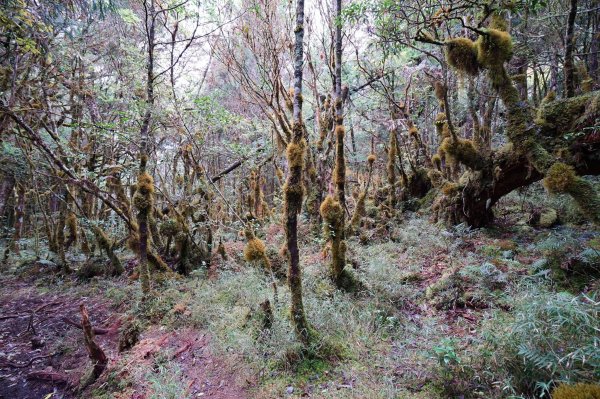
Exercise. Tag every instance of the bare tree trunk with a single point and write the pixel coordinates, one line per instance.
(570, 44)
(294, 189)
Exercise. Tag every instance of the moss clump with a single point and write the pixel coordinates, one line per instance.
(463, 151)
(169, 228)
(577, 391)
(295, 153)
(414, 133)
(333, 217)
(254, 250)
(142, 199)
(498, 22)
(332, 213)
(449, 189)
(561, 178)
(461, 54)
(494, 48)
(435, 177)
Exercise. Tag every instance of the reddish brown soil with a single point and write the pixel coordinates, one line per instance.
(23, 307)
(62, 350)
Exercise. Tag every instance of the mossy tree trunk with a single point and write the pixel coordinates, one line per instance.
(145, 184)
(337, 223)
(293, 190)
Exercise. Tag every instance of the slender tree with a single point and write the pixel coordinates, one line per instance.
(294, 189)
(333, 209)
(145, 185)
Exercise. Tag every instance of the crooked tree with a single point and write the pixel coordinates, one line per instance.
(552, 142)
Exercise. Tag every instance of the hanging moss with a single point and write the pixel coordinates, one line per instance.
(254, 250)
(494, 48)
(561, 178)
(461, 54)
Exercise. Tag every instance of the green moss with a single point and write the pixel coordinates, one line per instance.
(576, 391)
(494, 48)
(463, 151)
(169, 228)
(561, 178)
(461, 54)
(295, 154)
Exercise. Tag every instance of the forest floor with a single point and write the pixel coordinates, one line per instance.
(428, 323)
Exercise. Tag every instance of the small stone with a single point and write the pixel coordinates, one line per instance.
(289, 390)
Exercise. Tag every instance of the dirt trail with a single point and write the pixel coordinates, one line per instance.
(35, 340)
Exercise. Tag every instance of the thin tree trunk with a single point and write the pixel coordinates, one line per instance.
(6, 189)
(143, 212)
(293, 188)
(570, 44)
(19, 212)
